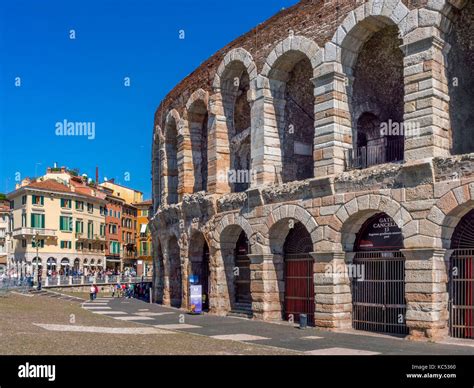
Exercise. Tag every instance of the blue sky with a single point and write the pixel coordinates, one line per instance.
(82, 79)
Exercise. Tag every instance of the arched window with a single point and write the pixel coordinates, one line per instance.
(374, 67)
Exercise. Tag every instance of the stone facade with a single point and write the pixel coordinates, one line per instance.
(322, 47)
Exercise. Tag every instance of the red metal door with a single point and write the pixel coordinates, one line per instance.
(299, 287)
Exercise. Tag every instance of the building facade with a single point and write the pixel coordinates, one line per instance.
(143, 239)
(323, 164)
(5, 234)
(57, 227)
(129, 243)
(113, 232)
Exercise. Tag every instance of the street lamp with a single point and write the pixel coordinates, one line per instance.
(36, 276)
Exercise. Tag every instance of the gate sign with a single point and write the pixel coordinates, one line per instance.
(378, 233)
(196, 299)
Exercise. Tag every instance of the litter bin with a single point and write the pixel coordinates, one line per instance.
(303, 321)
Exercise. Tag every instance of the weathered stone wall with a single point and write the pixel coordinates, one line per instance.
(426, 195)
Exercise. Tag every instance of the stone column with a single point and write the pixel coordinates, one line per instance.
(218, 146)
(186, 163)
(184, 261)
(266, 150)
(426, 293)
(166, 280)
(333, 299)
(218, 292)
(333, 133)
(426, 118)
(267, 286)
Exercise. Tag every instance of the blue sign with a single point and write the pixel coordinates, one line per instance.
(193, 279)
(196, 299)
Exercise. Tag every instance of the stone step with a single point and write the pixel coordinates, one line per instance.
(241, 310)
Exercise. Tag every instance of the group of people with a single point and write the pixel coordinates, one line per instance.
(139, 291)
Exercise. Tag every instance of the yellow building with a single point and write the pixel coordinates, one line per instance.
(130, 196)
(144, 258)
(59, 226)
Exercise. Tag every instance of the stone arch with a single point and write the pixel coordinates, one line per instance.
(357, 211)
(287, 77)
(296, 43)
(362, 43)
(197, 95)
(235, 55)
(231, 121)
(279, 222)
(448, 211)
(195, 135)
(171, 175)
(229, 220)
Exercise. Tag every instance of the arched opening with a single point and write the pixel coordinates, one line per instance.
(293, 99)
(199, 266)
(37, 266)
(65, 266)
(175, 278)
(373, 61)
(461, 282)
(197, 121)
(77, 265)
(92, 265)
(461, 79)
(234, 89)
(298, 274)
(159, 274)
(378, 277)
(51, 266)
(171, 149)
(235, 250)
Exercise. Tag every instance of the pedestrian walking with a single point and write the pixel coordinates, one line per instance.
(92, 293)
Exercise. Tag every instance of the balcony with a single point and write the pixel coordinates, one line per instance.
(362, 157)
(22, 233)
(90, 237)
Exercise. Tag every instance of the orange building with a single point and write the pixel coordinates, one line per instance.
(113, 232)
(129, 243)
(143, 239)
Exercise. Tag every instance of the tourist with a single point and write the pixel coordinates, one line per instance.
(92, 293)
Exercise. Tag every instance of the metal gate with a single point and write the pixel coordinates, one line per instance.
(379, 296)
(242, 281)
(299, 286)
(461, 302)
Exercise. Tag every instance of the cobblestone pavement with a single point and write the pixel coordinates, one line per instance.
(52, 324)
(283, 336)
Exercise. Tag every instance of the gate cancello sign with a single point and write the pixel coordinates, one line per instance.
(379, 233)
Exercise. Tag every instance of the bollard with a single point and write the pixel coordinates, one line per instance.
(82, 279)
(303, 321)
(59, 280)
(70, 280)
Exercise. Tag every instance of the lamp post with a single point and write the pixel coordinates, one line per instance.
(36, 274)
